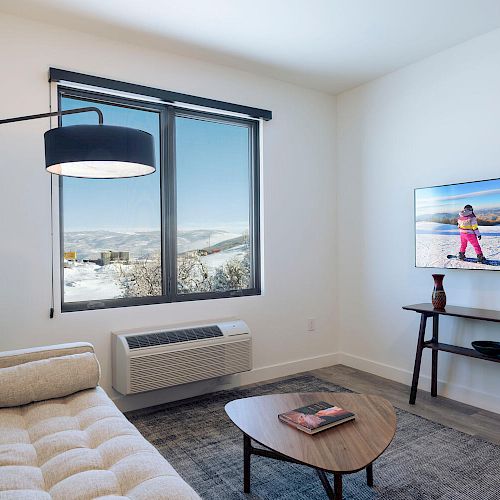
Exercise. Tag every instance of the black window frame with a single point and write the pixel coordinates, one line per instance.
(168, 202)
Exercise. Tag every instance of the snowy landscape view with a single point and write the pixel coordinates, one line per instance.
(203, 256)
(436, 231)
(434, 242)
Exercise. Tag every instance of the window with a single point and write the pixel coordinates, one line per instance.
(189, 231)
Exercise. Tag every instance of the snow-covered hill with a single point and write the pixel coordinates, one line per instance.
(140, 244)
(437, 228)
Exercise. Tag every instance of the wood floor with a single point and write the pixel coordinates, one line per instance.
(451, 413)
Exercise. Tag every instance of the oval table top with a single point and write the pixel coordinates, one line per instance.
(346, 448)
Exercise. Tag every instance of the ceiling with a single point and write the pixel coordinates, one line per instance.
(329, 45)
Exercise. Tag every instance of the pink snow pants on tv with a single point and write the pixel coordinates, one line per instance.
(472, 239)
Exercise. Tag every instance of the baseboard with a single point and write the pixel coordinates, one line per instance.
(456, 392)
(261, 374)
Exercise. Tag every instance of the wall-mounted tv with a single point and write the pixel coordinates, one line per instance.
(458, 226)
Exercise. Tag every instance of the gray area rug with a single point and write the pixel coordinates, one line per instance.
(425, 460)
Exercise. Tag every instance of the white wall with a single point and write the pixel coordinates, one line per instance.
(298, 206)
(434, 122)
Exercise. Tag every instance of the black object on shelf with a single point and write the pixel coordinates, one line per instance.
(427, 311)
(487, 347)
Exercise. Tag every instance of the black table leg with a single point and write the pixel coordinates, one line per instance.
(369, 474)
(334, 493)
(246, 463)
(337, 486)
(435, 339)
(326, 484)
(418, 358)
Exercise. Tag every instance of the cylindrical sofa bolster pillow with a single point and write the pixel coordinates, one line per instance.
(48, 378)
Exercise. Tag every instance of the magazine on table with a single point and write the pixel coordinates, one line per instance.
(316, 417)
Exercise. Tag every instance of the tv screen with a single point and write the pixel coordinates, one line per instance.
(458, 226)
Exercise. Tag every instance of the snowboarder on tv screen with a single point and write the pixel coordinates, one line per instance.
(469, 233)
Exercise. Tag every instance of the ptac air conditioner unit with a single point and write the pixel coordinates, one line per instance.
(155, 359)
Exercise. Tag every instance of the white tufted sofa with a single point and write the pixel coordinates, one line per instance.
(75, 446)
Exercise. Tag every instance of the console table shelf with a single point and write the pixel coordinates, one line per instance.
(463, 351)
(427, 310)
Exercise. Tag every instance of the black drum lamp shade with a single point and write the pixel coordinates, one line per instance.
(99, 152)
(95, 151)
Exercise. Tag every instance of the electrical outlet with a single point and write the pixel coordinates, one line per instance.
(311, 325)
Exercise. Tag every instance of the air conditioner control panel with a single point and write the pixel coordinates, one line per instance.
(231, 328)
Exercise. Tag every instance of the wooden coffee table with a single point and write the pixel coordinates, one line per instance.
(345, 449)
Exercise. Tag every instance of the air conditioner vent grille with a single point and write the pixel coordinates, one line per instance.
(181, 366)
(173, 336)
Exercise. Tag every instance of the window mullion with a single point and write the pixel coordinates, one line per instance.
(164, 197)
(169, 195)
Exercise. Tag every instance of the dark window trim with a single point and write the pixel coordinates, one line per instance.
(167, 96)
(168, 204)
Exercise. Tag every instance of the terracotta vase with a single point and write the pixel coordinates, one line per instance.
(438, 294)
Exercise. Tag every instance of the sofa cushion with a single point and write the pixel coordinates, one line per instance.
(80, 447)
(12, 358)
(48, 378)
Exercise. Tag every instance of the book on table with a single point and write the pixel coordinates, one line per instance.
(316, 417)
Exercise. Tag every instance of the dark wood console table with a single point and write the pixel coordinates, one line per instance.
(428, 311)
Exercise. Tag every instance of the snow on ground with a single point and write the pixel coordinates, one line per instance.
(218, 259)
(435, 241)
(88, 281)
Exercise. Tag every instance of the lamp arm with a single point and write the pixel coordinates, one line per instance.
(55, 113)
